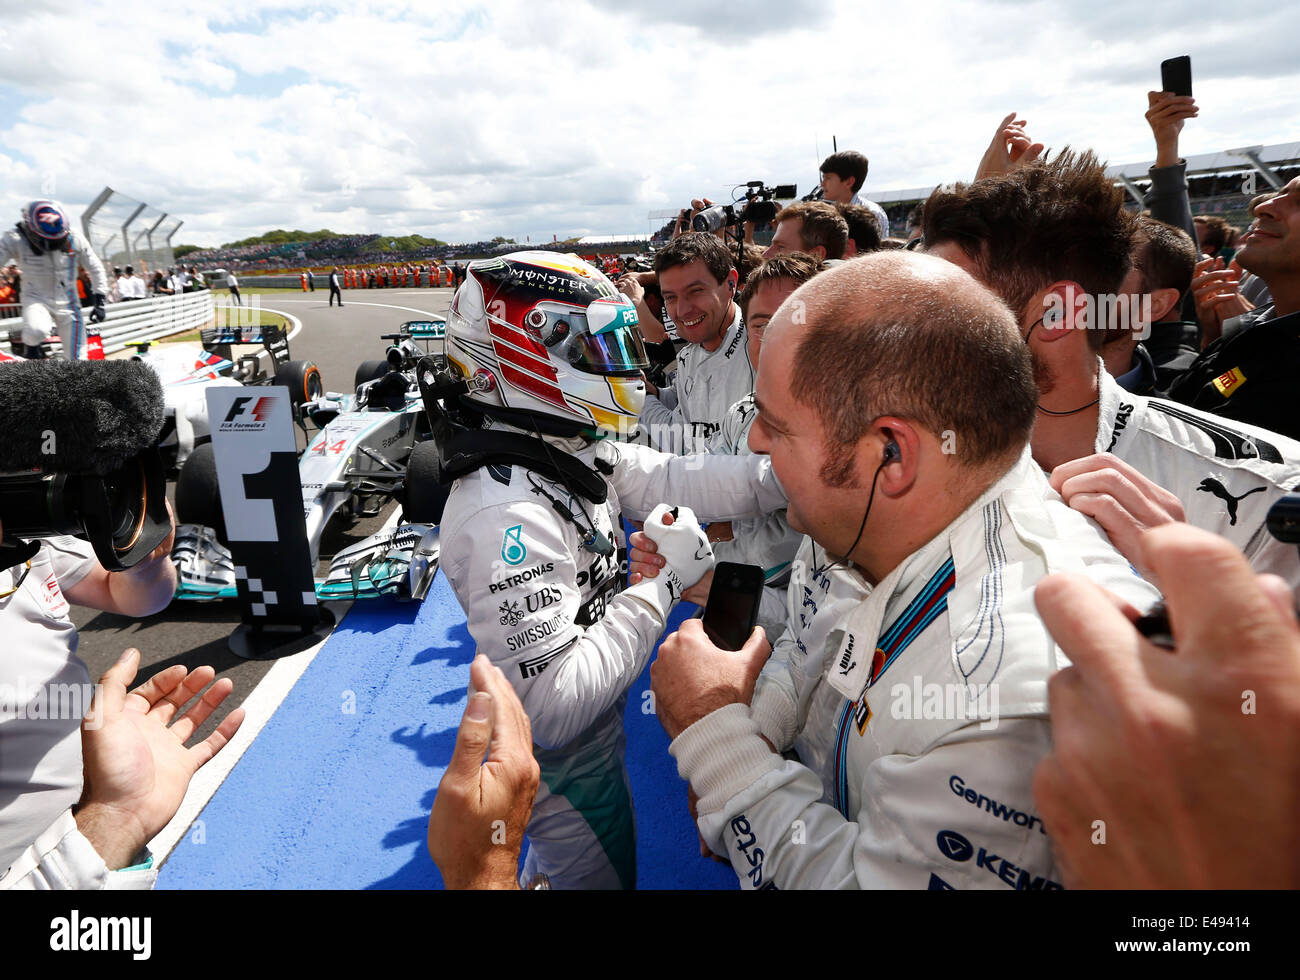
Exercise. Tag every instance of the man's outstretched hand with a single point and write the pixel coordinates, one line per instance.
(136, 767)
(1166, 114)
(483, 804)
(1010, 147)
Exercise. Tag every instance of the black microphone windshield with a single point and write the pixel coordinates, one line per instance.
(77, 416)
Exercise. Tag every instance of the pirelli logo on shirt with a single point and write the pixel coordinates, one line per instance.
(1229, 382)
(533, 667)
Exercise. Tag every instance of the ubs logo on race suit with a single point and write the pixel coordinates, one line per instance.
(513, 551)
(542, 598)
(511, 614)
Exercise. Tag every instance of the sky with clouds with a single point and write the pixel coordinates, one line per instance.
(567, 117)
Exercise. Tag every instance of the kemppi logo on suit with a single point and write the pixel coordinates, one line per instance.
(248, 413)
(956, 847)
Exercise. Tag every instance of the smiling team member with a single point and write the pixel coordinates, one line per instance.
(698, 282)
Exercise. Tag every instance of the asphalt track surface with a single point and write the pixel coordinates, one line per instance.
(196, 633)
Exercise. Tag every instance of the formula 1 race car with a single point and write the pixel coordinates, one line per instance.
(354, 464)
(187, 372)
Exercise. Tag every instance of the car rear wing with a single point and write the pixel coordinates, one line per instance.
(219, 340)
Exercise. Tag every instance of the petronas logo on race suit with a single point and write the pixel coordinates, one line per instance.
(513, 551)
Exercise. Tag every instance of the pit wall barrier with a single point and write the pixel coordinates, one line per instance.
(141, 320)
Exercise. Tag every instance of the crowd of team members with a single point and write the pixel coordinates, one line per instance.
(954, 466)
(997, 445)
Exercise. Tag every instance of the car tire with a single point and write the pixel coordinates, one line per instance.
(198, 496)
(425, 497)
(303, 380)
(370, 371)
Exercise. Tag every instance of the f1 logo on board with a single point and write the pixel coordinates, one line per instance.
(241, 418)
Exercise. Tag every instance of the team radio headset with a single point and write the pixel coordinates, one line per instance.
(891, 455)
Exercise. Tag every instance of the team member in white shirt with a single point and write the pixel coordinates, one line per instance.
(698, 281)
(912, 683)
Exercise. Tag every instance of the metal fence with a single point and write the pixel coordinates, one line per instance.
(145, 319)
(124, 231)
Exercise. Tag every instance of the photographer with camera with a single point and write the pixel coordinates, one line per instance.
(698, 281)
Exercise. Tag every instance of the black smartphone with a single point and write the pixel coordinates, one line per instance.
(1176, 75)
(732, 610)
(1284, 518)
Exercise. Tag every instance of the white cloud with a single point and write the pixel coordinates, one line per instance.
(579, 116)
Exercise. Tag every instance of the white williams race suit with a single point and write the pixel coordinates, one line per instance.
(1227, 474)
(917, 709)
(683, 418)
(49, 296)
(553, 616)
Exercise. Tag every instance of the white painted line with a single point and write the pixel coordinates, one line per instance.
(297, 324)
(258, 707)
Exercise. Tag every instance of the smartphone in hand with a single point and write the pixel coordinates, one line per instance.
(1176, 75)
(732, 608)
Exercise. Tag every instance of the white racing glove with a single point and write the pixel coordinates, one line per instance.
(686, 552)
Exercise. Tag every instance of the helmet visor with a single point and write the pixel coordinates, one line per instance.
(613, 352)
(601, 340)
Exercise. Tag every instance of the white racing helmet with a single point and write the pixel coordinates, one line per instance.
(45, 226)
(547, 340)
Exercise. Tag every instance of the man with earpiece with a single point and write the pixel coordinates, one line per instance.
(911, 682)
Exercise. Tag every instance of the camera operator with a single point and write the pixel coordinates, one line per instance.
(698, 281)
(815, 228)
(843, 175)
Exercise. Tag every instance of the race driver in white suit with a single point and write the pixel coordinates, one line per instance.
(48, 250)
(532, 542)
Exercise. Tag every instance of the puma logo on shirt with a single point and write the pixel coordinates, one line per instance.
(1211, 485)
